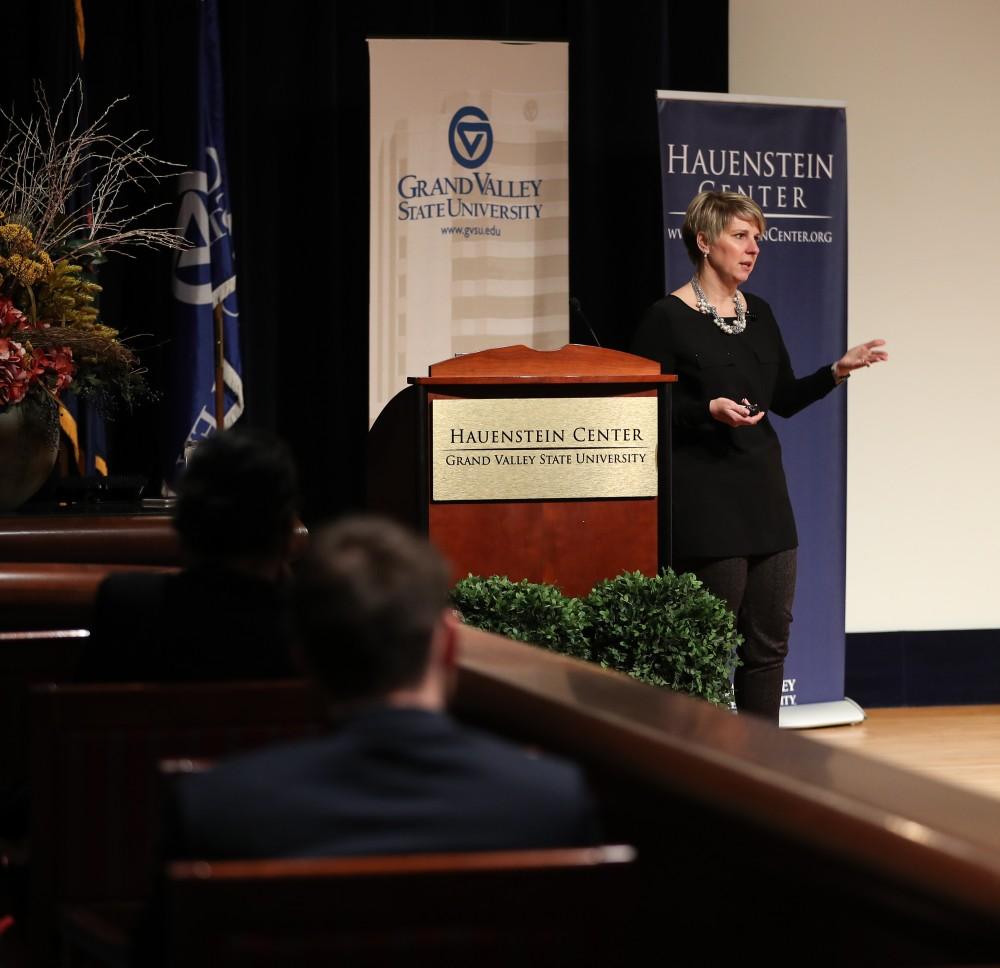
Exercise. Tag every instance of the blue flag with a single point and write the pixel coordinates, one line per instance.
(205, 274)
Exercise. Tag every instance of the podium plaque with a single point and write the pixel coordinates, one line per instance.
(551, 466)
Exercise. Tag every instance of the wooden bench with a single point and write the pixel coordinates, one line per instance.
(95, 790)
(97, 538)
(94, 537)
(44, 595)
(51, 565)
(27, 658)
(540, 907)
(753, 842)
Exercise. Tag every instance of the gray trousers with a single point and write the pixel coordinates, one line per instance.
(759, 591)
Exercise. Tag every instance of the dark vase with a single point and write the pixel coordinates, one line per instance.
(29, 443)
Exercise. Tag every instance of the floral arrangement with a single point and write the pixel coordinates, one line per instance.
(63, 188)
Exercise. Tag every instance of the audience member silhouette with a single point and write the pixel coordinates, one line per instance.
(224, 615)
(397, 774)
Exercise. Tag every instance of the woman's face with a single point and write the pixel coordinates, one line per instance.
(734, 253)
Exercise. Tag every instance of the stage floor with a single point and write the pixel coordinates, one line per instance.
(956, 744)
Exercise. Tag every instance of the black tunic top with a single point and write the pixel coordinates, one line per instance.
(729, 491)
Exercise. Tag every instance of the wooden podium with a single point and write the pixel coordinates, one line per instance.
(550, 466)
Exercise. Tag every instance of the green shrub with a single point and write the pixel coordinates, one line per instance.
(667, 630)
(526, 611)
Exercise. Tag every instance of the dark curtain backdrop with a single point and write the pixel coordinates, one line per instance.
(296, 78)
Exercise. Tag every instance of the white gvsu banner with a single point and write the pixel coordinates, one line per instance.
(469, 203)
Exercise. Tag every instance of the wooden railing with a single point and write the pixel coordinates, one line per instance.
(764, 838)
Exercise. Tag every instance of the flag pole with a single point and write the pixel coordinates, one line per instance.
(220, 387)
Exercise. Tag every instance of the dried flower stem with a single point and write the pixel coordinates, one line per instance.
(44, 171)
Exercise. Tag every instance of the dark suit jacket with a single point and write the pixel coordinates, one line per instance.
(729, 491)
(387, 781)
(199, 625)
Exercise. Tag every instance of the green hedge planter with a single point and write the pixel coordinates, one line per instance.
(666, 631)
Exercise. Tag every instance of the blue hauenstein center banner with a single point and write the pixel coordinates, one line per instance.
(791, 158)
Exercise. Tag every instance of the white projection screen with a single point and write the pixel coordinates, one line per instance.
(922, 84)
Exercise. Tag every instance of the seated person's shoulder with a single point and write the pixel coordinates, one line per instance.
(531, 765)
(209, 812)
(139, 587)
(548, 791)
(128, 610)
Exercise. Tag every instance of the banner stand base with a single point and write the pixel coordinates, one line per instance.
(813, 715)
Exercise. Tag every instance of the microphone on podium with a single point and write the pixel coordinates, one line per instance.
(576, 312)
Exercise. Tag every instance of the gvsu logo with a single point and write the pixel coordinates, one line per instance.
(470, 137)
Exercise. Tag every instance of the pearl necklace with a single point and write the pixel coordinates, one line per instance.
(704, 306)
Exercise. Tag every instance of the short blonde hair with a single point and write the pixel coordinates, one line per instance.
(710, 212)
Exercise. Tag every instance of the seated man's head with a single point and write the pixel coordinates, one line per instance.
(370, 613)
(236, 501)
